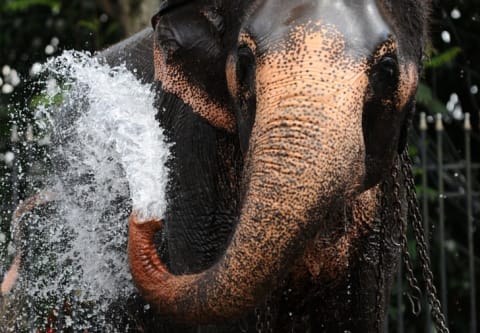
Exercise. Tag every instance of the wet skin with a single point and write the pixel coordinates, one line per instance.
(286, 116)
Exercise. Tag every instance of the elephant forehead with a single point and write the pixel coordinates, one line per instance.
(361, 22)
(321, 48)
(312, 66)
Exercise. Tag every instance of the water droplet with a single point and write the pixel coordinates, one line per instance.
(455, 14)
(446, 37)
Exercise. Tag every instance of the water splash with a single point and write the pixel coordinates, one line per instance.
(108, 157)
(120, 116)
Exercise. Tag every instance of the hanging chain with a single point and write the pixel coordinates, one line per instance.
(259, 322)
(415, 294)
(391, 211)
(399, 224)
(264, 317)
(384, 216)
(268, 315)
(416, 223)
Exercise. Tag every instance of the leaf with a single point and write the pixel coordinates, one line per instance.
(443, 58)
(45, 100)
(93, 26)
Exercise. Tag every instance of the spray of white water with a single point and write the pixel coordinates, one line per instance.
(120, 116)
(109, 157)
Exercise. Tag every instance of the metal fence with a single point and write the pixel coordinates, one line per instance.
(448, 189)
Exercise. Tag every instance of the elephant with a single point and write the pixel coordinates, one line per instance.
(289, 124)
(290, 183)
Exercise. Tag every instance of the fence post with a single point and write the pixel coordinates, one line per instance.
(441, 213)
(426, 223)
(471, 231)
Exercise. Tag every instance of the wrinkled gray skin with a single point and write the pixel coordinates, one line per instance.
(210, 171)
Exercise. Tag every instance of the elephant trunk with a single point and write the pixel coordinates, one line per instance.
(306, 152)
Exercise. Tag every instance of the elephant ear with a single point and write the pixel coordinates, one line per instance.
(189, 59)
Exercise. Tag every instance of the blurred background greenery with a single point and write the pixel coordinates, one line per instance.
(31, 31)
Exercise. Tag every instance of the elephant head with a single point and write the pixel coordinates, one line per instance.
(318, 94)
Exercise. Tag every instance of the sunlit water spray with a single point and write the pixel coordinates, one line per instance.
(109, 156)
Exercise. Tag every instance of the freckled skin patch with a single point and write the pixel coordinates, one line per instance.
(328, 256)
(175, 81)
(248, 40)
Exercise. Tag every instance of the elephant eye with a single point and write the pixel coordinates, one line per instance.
(245, 68)
(154, 21)
(385, 76)
(388, 67)
(245, 94)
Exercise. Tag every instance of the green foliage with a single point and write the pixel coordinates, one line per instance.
(425, 95)
(22, 5)
(45, 100)
(428, 100)
(443, 58)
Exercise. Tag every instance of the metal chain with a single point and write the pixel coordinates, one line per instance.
(268, 315)
(264, 317)
(380, 281)
(415, 294)
(416, 223)
(259, 320)
(397, 226)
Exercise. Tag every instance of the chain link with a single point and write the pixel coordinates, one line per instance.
(264, 317)
(422, 249)
(380, 281)
(415, 294)
(259, 320)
